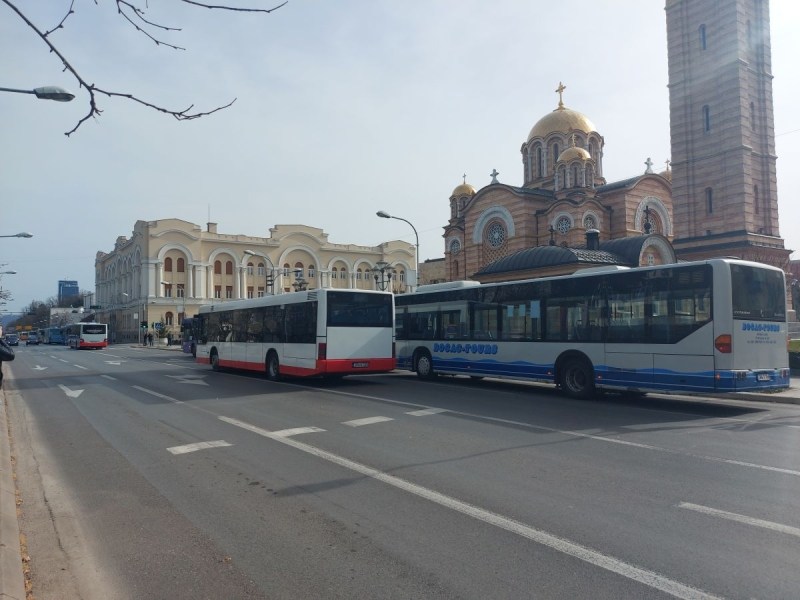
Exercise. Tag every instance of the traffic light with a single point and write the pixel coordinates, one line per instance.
(143, 325)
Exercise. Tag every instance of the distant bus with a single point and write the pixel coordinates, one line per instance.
(316, 332)
(53, 335)
(87, 335)
(708, 326)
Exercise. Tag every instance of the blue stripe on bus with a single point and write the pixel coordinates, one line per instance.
(659, 379)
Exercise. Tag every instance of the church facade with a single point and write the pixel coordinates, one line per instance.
(564, 204)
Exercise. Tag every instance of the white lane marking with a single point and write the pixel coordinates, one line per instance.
(157, 395)
(723, 514)
(115, 362)
(81, 367)
(609, 563)
(185, 449)
(69, 392)
(109, 377)
(62, 360)
(38, 368)
(284, 433)
(426, 411)
(366, 421)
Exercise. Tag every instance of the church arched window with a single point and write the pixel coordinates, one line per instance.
(539, 162)
(555, 153)
(756, 200)
(706, 118)
(575, 180)
(702, 32)
(709, 200)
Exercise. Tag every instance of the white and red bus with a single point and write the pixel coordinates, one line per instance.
(322, 332)
(87, 335)
(708, 326)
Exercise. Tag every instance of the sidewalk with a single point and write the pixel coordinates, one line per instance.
(790, 396)
(12, 582)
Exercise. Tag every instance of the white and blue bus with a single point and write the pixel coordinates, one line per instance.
(321, 332)
(709, 326)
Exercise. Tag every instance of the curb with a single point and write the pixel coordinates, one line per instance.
(12, 582)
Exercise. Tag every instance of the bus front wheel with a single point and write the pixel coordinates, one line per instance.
(273, 367)
(577, 378)
(425, 365)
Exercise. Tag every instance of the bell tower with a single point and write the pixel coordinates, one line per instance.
(724, 185)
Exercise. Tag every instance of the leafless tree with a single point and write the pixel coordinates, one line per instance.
(134, 12)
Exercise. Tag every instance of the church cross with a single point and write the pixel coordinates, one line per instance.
(560, 89)
(494, 175)
(667, 162)
(649, 164)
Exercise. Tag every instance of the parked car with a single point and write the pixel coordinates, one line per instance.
(33, 338)
(12, 339)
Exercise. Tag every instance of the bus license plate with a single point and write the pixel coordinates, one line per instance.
(364, 365)
(763, 377)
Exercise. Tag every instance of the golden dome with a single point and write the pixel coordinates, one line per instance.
(463, 189)
(561, 120)
(667, 174)
(574, 152)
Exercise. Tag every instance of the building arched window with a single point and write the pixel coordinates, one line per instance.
(358, 273)
(249, 268)
(575, 181)
(752, 116)
(555, 153)
(168, 264)
(756, 200)
(262, 270)
(229, 268)
(286, 269)
(181, 265)
(169, 318)
(311, 271)
(709, 200)
(702, 32)
(539, 162)
(217, 267)
(334, 273)
(706, 118)
(298, 269)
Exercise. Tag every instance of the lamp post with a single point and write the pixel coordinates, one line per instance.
(384, 215)
(382, 272)
(299, 284)
(48, 92)
(270, 272)
(22, 234)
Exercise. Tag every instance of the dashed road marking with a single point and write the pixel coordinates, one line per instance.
(185, 449)
(723, 514)
(366, 421)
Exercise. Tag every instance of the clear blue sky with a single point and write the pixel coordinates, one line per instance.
(344, 108)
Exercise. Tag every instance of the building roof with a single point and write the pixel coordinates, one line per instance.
(561, 120)
(542, 257)
(622, 251)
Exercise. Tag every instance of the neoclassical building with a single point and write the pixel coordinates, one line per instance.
(563, 197)
(169, 268)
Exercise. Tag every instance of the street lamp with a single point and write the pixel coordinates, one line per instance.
(384, 215)
(23, 234)
(270, 280)
(300, 284)
(382, 271)
(48, 92)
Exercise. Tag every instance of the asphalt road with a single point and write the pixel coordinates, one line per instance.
(144, 475)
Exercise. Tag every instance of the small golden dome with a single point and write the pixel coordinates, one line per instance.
(463, 189)
(561, 120)
(667, 174)
(574, 152)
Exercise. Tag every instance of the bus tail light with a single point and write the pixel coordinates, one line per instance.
(322, 351)
(724, 343)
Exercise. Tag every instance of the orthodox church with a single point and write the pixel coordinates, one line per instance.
(565, 216)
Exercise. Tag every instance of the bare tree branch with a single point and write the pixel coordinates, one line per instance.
(135, 16)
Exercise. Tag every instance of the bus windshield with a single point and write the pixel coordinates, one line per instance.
(352, 309)
(757, 294)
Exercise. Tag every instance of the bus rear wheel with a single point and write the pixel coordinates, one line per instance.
(577, 378)
(215, 360)
(273, 367)
(424, 366)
